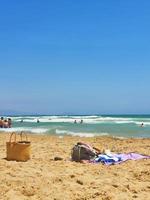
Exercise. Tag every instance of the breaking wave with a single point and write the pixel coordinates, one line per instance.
(80, 134)
(26, 129)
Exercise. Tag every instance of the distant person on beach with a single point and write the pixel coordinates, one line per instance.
(38, 121)
(9, 122)
(75, 121)
(1, 122)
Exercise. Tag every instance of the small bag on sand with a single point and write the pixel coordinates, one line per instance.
(18, 150)
(82, 151)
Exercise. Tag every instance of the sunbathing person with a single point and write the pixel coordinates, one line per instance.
(85, 153)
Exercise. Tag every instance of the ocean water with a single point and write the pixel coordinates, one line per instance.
(97, 125)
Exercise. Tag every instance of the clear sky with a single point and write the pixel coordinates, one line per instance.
(75, 56)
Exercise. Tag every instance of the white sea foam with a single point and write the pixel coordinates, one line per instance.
(85, 117)
(124, 122)
(120, 137)
(27, 129)
(80, 134)
(134, 122)
(69, 119)
(145, 123)
(43, 119)
(61, 131)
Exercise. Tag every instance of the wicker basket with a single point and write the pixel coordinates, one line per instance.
(18, 150)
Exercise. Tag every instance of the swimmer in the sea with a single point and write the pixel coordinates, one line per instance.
(142, 125)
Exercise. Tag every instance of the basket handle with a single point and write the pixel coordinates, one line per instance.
(21, 135)
(13, 133)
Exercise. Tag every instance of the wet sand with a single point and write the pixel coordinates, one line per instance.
(45, 179)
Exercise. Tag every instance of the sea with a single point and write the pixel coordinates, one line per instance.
(121, 126)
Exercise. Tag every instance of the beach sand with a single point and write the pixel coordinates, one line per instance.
(45, 179)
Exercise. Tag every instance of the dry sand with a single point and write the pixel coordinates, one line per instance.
(46, 179)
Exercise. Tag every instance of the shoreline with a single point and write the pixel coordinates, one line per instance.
(91, 135)
(43, 178)
(61, 136)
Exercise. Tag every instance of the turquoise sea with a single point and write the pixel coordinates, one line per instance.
(96, 125)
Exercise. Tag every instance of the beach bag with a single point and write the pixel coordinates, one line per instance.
(82, 151)
(18, 150)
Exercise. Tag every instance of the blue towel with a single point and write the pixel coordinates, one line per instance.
(118, 158)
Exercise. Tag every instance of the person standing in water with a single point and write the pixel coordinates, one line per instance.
(5, 123)
(1, 122)
(9, 122)
(142, 125)
(81, 122)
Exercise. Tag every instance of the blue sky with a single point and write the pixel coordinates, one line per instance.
(75, 57)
